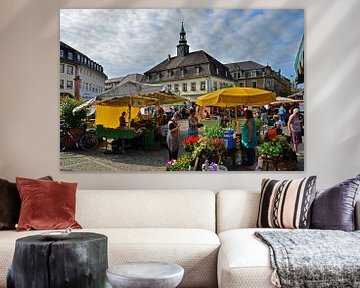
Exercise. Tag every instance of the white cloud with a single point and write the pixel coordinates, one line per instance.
(134, 40)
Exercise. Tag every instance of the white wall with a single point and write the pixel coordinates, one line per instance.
(29, 106)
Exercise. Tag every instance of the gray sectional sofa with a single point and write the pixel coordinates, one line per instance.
(209, 234)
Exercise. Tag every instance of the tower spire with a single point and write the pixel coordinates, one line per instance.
(182, 47)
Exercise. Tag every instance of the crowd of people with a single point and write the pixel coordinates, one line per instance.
(279, 120)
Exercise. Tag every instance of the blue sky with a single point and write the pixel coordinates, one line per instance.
(128, 41)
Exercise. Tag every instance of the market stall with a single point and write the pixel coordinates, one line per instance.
(129, 98)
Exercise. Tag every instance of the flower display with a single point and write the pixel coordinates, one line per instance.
(182, 164)
(209, 166)
(190, 142)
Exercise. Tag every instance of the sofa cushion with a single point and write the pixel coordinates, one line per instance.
(196, 250)
(286, 204)
(153, 209)
(236, 209)
(10, 204)
(334, 208)
(244, 260)
(46, 204)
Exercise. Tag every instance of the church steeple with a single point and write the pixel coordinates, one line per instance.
(182, 47)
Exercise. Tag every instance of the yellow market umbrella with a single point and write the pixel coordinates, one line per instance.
(234, 96)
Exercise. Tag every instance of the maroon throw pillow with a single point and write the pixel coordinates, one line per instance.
(46, 204)
(10, 204)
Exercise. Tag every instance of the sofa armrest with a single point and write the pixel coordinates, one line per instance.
(357, 215)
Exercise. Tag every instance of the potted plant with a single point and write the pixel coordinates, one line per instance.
(75, 122)
(184, 163)
(67, 117)
(274, 148)
(190, 142)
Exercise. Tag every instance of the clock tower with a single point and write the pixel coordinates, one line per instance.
(182, 47)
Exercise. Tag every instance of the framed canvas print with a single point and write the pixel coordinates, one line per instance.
(182, 90)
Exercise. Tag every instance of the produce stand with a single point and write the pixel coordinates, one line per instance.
(117, 133)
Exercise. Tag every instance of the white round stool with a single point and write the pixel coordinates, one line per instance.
(145, 275)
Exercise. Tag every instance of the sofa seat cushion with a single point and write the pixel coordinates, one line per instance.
(244, 261)
(196, 250)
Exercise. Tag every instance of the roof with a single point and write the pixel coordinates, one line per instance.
(189, 62)
(244, 65)
(136, 77)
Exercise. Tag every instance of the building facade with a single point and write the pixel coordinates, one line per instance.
(113, 82)
(252, 74)
(80, 77)
(189, 74)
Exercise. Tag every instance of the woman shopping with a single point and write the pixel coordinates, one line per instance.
(248, 138)
(173, 136)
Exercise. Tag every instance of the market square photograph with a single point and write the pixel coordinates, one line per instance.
(182, 90)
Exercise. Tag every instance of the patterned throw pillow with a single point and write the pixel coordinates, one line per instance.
(286, 204)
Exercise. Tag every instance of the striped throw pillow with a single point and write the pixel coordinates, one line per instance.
(286, 204)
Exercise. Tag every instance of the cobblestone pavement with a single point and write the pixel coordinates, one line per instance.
(134, 159)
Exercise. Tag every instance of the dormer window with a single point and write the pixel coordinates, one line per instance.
(169, 73)
(70, 55)
(159, 75)
(183, 71)
(197, 69)
(217, 70)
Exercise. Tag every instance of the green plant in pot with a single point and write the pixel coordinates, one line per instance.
(274, 148)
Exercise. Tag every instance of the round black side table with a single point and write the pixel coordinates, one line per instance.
(80, 260)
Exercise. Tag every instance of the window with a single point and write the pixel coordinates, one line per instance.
(184, 86)
(62, 68)
(87, 86)
(70, 70)
(78, 57)
(215, 85)
(176, 87)
(61, 83)
(239, 74)
(169, 73)
(241, 84)
(70, 55)
(217, 71)
(254, 84)
(62, 53)
(69, 84)
(203, 85)
(193, 86)
(169, 86)
(253, 73)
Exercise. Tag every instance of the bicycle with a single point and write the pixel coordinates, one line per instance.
(86, 140)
